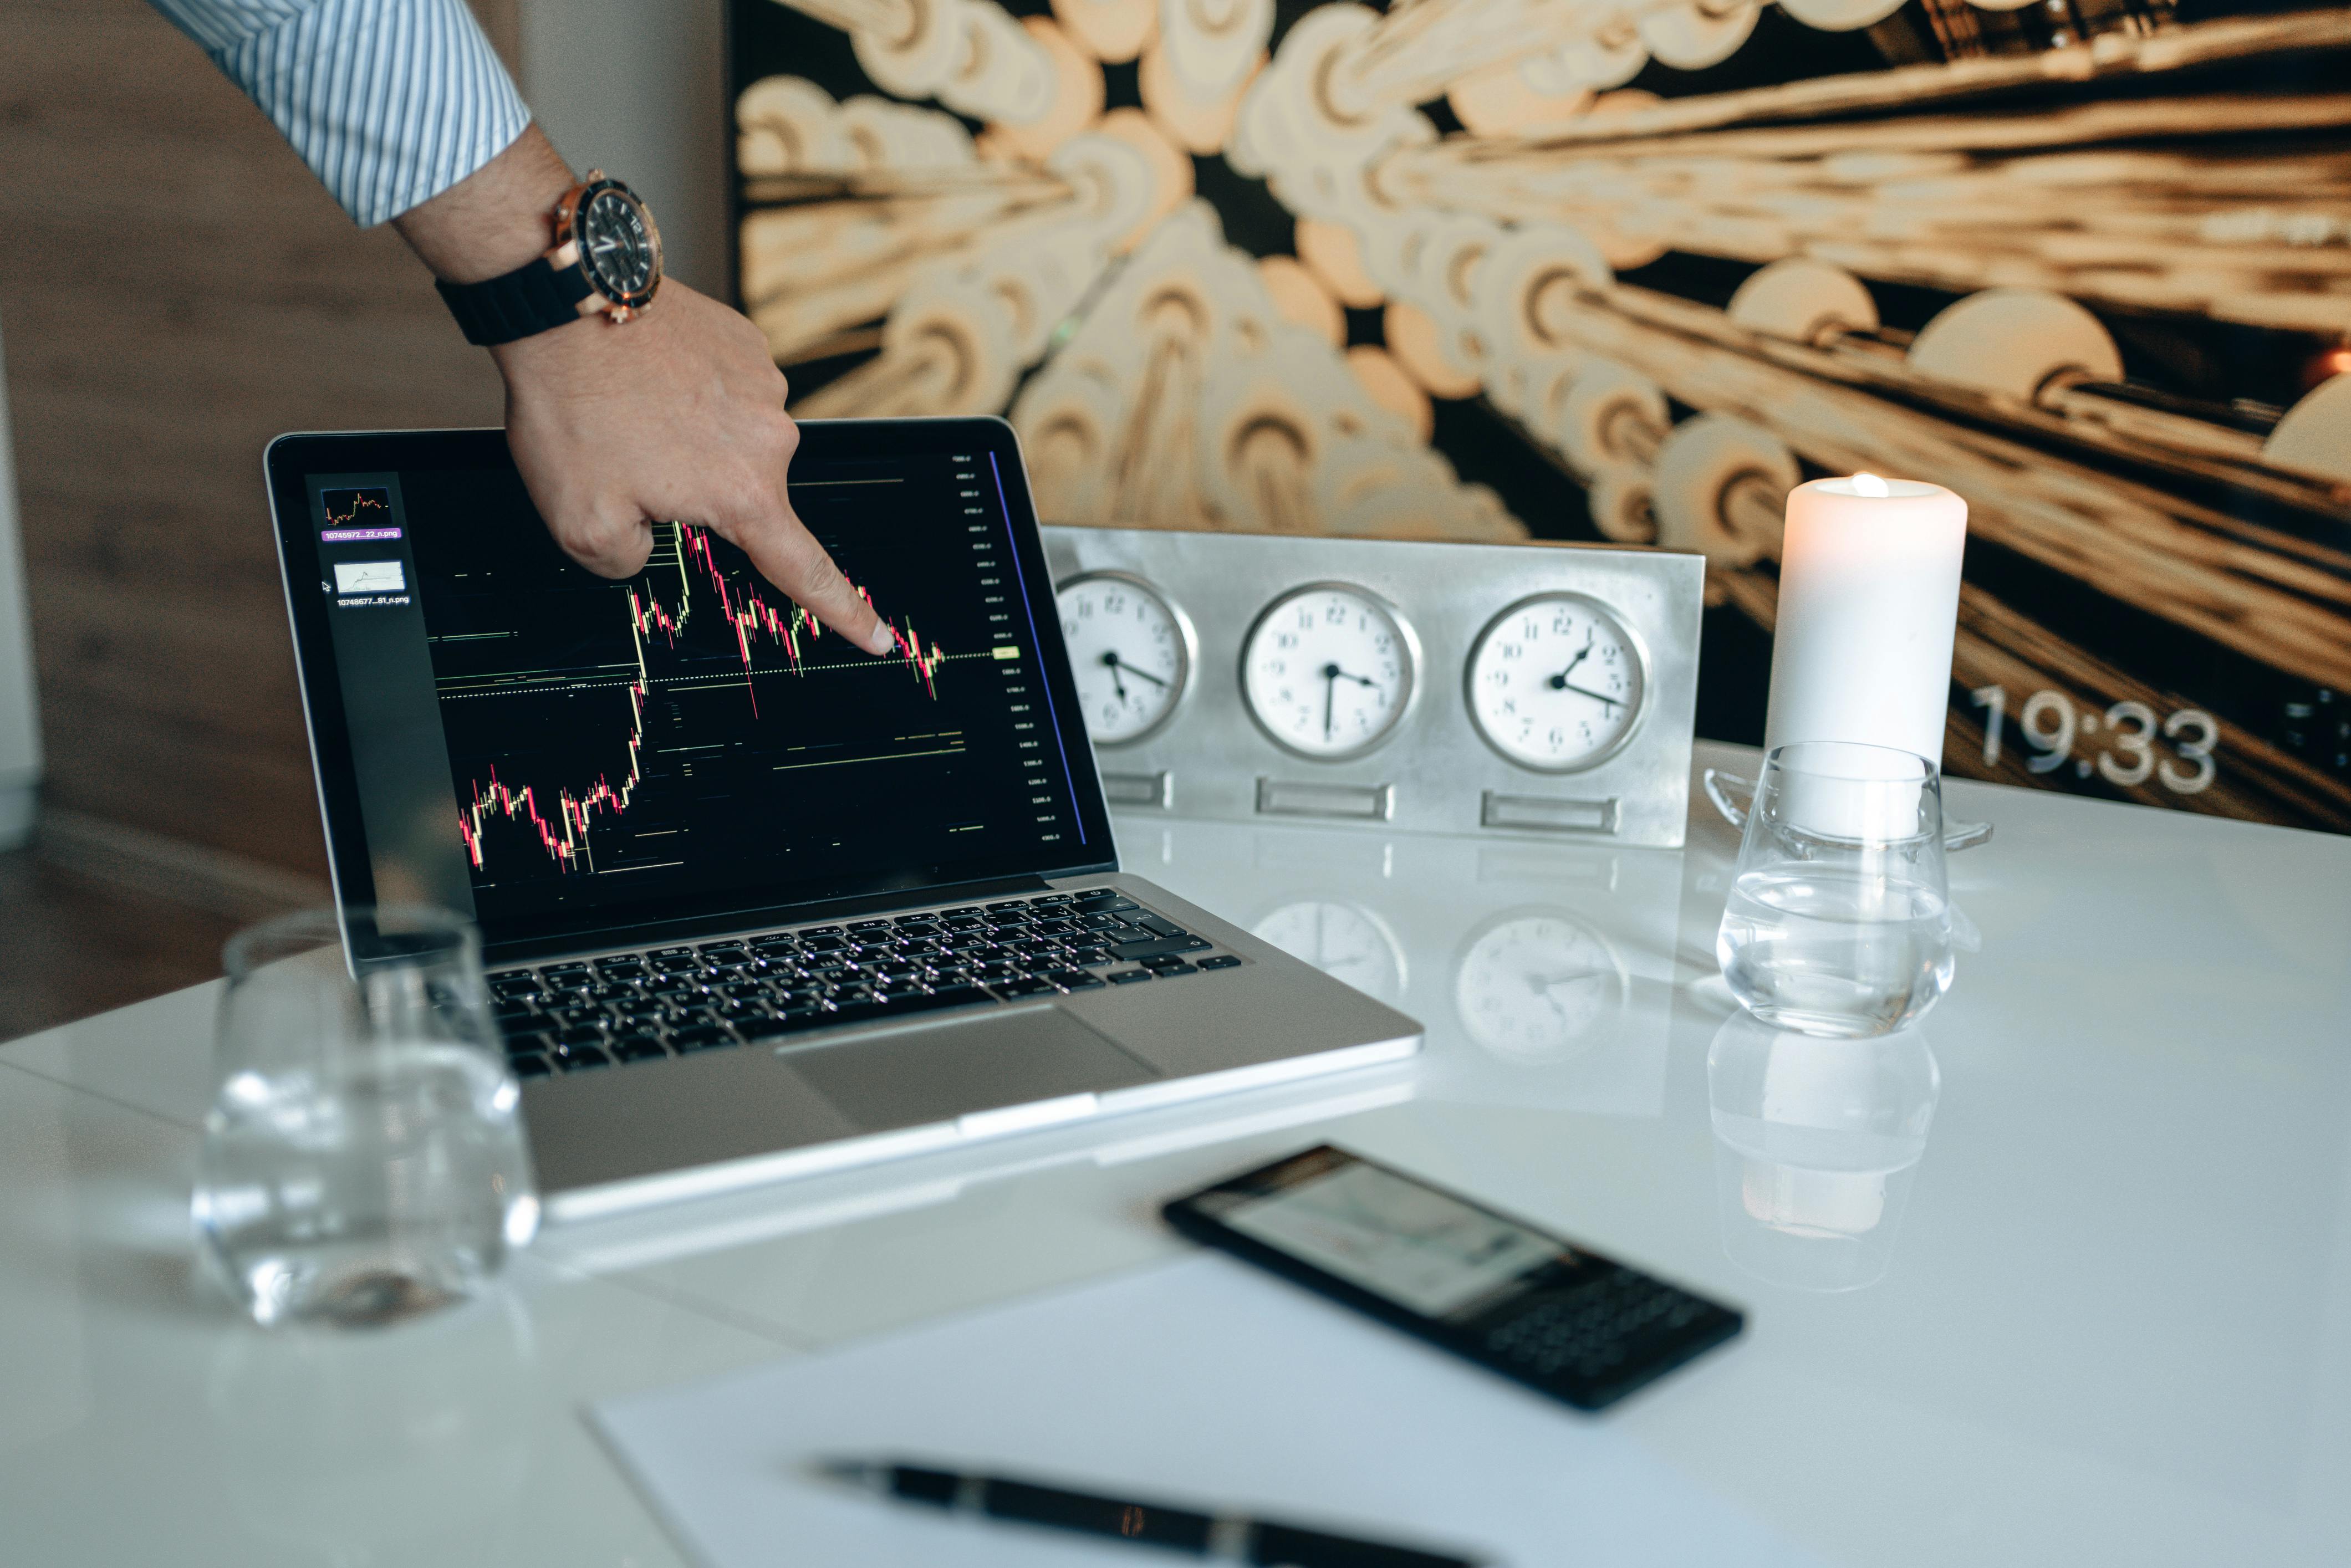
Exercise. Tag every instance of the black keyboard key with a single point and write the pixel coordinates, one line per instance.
(1095, 895)
(1131, 952)
(1009, 904)
(1160, 926)
(1087, 958)
(1051, 927)
(918, 928)
(581, 1058)
(1164, 961)
(1075, 980)
(671, 953)
(1100, 922)
(1221, 961)
(642, 1048)
(702, 1037)
(1169, 971)
(525, 1042)
(581, 1036)
(960, 912)
(732, 944)
(917, 1002)
(855, 925)
(824, 944)
(1052, 899)
(1127, 976)
(1025, 987)
(818, 930)
(531, 1066)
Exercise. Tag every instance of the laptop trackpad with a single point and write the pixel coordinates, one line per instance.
(938, 1071)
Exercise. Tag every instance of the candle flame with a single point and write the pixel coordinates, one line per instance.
(1870, 485)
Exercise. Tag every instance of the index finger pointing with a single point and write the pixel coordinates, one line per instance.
(788, 556)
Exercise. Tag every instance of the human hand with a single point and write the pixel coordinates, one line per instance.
(678, 414)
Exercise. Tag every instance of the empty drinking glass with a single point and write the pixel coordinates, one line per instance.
(364, 1157)
(1839, 918)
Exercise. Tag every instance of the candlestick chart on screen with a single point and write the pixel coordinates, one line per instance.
(692, 722)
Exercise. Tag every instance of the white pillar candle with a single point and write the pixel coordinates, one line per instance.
(1869, 603)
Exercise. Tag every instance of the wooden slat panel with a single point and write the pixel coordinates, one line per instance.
(196, 293)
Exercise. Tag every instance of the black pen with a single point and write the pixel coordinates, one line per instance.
(1233, 1538)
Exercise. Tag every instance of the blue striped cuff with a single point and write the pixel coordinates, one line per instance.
(391, 102)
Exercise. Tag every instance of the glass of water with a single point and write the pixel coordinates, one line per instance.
(1839, 918)
(363, 1160)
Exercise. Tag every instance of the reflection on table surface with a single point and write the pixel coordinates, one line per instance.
(2071, 1284)
(1543, 976)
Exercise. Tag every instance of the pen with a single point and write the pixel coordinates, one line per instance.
(1233, 1538)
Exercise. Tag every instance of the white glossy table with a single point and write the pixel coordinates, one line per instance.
(2097, 1309)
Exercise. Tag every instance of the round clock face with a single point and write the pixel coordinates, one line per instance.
(1327, 671)
(617, 243)
(1539, 987)
(1555, 683)
(1128, 651)
(1344, 941)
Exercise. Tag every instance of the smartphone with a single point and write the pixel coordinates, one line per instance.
(1515, 1300)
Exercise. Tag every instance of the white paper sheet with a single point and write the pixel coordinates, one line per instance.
(1200, 1381)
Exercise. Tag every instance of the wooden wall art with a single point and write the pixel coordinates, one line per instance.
(1630, 270)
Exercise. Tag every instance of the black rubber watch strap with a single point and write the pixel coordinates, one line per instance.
(532, 299)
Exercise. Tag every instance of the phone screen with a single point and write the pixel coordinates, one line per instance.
(1427, 1251)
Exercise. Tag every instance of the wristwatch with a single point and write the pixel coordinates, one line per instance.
(607, 256)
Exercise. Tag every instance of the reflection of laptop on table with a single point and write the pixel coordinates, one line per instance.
(754, 902)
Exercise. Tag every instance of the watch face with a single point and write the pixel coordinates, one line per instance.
(1343, 940)
(1539, 987)
(1128, 651)
(1556, 682)
(617, 245)
(1327, 671)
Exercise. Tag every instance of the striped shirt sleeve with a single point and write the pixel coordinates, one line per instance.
(391, 102)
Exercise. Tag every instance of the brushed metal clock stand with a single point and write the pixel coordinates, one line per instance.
(1536, 692)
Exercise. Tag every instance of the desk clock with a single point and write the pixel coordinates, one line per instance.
(1533, 691)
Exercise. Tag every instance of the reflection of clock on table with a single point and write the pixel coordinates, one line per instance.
(1539, 986)
(1346, 941)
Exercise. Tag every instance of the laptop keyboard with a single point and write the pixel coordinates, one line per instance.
(583, 1014)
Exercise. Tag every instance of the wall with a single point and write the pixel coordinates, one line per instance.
(635, 86)
(196, 293)
(20, 734)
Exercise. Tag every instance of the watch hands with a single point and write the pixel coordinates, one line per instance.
(1559, 681)
(1109, 656)
(1330, 695)
(1586, 692)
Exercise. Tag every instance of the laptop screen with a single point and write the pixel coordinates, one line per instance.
(503, 732)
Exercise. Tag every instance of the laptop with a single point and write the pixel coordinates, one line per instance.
(755, 903)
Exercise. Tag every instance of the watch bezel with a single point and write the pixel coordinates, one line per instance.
(619, 306)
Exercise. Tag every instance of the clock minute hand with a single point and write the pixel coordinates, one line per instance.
(1114, 662)
(1330, 695)
(1586, 692)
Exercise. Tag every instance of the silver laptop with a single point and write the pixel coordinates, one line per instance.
(754, 902)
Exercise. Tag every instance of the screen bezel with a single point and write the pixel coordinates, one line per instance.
(291, 459)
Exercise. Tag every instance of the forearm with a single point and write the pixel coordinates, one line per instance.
(493, 220)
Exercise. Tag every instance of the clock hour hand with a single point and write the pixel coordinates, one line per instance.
(1559, 681)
